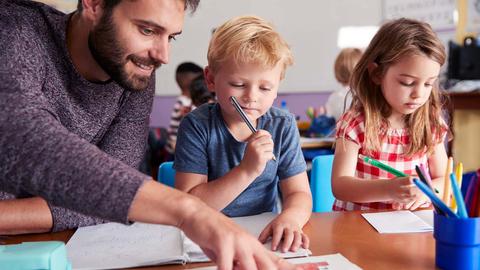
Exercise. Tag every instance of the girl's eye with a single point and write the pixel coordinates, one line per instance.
(265, 89)
(407, 84)
(170, 38)
(428, 84)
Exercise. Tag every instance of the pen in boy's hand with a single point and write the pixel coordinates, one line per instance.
(244, 116)
(237, 106)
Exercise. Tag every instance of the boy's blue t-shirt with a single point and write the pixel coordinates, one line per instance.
(205, 146)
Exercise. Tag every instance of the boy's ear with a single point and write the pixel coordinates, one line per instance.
(209, 79)
(373, 72)
(92, 10)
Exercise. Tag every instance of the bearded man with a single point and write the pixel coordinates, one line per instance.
(76, 92)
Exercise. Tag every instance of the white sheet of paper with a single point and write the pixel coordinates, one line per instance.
(254, 225)
(425, 215)
(114, 245)
(335, 262)
(397, 222)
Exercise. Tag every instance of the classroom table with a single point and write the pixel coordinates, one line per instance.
(324, 142)
(338, 232)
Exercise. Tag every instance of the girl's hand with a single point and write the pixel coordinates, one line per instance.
(285, 233)
(402, 190)
(422, 201)
(419, 203)
(258, 152)
(413, 205)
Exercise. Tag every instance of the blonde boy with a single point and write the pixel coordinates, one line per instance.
(219, 160)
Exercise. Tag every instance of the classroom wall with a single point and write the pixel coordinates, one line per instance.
(296, 103)
(466, 125)
(309, 26)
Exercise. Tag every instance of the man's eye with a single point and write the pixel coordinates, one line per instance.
(236, 84)
(147, 31)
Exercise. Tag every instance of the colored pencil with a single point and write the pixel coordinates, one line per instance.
(422, 176)
(435, 200)
(459, 177)
(244, 116)
(446, 184)
(428, 178)
(382, 166)
(457, 194)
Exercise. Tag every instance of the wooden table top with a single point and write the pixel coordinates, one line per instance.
(347, 233)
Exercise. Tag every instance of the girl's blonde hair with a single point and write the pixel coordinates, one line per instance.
(345, 63)
(394, 40)
(248, 39)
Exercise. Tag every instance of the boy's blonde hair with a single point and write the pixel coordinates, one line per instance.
(248, 39)
(394, 40)
(345, 63)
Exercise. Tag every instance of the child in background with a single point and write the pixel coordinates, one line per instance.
(184, 75)
(340, 100)
(219, 160)
(395, 117)
(199, 92)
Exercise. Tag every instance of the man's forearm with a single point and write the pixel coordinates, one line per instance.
(30, 215)
(159, 204)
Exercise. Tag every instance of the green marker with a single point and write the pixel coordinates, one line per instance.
(382, 166)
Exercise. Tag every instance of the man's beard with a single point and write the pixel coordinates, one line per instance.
(109, 54)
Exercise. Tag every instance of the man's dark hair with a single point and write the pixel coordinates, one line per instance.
(188, 67)
(110, 4)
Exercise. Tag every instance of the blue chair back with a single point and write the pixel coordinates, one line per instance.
(166, 174)
(321, 183)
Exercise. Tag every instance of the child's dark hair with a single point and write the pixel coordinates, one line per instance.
(185, 73)
(188, 67)
(199, 92)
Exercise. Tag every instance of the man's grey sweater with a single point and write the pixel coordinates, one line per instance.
(63, 138)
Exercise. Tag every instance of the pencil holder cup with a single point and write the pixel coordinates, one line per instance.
(457, 242)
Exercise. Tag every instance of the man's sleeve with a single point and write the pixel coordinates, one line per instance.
(126, 138)
(40, 157)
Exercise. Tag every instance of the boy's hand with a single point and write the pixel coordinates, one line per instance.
(258, 152)
(286, 234)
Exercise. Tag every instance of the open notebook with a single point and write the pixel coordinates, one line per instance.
(113, 245)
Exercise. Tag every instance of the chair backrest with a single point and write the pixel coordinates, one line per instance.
(166, 174)
(321, 183)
